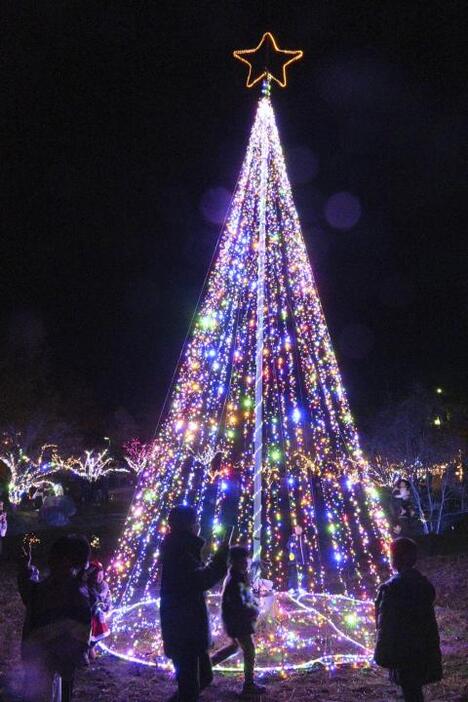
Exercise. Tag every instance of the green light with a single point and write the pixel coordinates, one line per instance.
(275, 455)
(208, 322)
(247, 402)
(351, 619)
(149, 495)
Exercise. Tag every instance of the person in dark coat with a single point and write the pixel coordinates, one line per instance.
(184, 616)
(239, 612)
(58, 619)
(407, 633)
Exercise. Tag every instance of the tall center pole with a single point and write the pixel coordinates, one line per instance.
(258, 433)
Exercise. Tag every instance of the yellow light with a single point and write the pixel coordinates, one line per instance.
(245, 55)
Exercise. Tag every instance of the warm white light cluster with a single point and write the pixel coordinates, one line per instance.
(92, 466)
(27, 473)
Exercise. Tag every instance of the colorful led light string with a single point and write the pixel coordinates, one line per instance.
(313, 473)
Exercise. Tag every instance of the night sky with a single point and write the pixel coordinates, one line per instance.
(121, 118)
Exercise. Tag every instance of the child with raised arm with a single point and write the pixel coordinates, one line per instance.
(58, 619)
(407, 632)
(240, 613)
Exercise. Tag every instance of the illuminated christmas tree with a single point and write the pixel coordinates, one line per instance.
(257, 431)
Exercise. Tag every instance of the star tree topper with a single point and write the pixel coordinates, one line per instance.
(258, 60)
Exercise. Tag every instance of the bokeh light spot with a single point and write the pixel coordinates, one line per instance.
(342, 210)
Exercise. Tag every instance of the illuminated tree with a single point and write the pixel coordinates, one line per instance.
(27, 472)
(258, 384)
(92, 466)
(137, 455)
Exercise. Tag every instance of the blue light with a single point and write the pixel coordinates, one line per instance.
(296, 415)
(224, 485)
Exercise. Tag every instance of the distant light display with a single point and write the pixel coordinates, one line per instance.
(257, 432)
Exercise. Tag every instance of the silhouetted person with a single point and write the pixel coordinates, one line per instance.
(58, 619)
(184, 615)
(239, 612)
(407, 633)
(406, 520)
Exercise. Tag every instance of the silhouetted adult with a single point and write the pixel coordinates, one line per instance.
(407, 632)
(184, 615)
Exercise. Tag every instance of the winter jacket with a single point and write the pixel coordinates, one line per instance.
(239, 610)
(58, 620)
(184, 580)
(407, 632)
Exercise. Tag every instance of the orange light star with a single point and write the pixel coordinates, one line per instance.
(267, 44)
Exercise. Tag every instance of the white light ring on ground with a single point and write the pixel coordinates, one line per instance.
(326, 660)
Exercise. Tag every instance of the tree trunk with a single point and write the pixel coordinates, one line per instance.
(443, 490)
(417, 499)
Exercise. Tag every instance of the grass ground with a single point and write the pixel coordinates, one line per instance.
(111, 680)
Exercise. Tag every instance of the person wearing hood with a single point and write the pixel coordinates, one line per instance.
(184, 616)
(407, 633)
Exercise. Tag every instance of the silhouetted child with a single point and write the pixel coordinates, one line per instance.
(58, 619)
(240, 613)
(184, 616)
(407, 632)
(101, 603)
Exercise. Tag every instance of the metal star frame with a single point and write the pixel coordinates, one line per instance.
(247, 55)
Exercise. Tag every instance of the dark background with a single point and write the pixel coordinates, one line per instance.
(119, 117)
